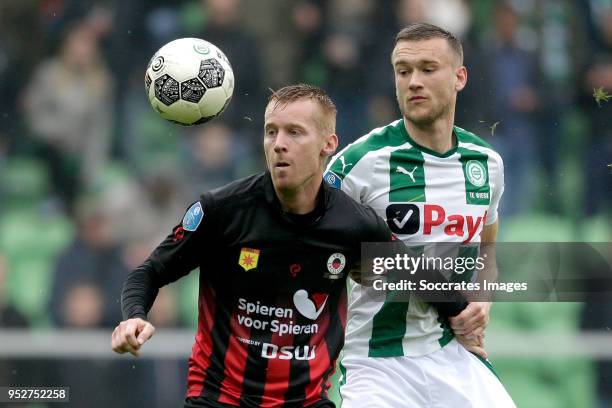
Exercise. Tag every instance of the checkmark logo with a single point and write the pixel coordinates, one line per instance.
(402, 223)
(403, 218)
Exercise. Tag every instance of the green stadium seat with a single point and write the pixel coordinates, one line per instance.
(154, 142)
(521, 377)
(27, 234)
(24, 182)
(112, 173)
(547, 382)
(188, 298)
(31, 242)
(597, 229)
(29, 287)
(535, 228)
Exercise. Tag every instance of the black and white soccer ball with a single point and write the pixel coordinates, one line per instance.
(189, 81)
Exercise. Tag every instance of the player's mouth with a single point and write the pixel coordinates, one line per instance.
(417, 98)
(281, 164)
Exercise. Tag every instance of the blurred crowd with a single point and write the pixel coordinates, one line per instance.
(92, 179)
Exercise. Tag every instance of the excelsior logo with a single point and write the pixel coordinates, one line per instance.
(309, 307)
(406, 219)
(336, 263)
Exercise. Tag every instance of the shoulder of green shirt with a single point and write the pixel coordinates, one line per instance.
(466, 136)
(376, 139)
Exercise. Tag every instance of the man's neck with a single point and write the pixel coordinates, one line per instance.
(302, 200)
(437, 136)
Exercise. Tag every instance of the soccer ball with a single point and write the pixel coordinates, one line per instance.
(189, 81)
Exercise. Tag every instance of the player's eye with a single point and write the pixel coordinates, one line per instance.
(429, 70)
(271, 132)
(402, 72)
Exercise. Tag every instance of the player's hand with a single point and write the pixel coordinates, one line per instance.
(473, 344)
(130, 335)
(474, 316)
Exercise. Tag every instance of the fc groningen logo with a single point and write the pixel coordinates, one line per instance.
(201, 48)
(476, 173)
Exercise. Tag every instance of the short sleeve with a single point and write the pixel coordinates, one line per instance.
(350, 171)
(496, 175)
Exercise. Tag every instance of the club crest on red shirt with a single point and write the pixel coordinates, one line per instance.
(335, 265)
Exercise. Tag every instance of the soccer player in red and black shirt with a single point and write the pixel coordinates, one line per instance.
(274, 250)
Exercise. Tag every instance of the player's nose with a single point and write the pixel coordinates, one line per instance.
(415, 82)
(280, 143)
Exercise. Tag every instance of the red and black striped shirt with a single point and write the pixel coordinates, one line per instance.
(272, 299)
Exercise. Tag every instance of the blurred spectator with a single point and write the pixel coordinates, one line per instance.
(162, 381)
(224, 28)
(596, 73)
(308, 20)
(165, 192)
(215, 157)
(85, 295)
(14, 372)
(453, 15)
(168, 377)
(144, 383)
(348, 80)
(346, 84)
(17, 57)
(351, 17)
(130, 205)
(91, 267)
(554, 30)
(165, 311)
(512, 76)
(68, 106)
(411, 11)
(276, 38)
(381, 109)
(83, 305)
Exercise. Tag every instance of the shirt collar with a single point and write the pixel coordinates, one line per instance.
(310, 218)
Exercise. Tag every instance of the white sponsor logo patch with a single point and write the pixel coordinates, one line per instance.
(308, 307)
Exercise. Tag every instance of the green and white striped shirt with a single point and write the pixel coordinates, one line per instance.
(426, 198)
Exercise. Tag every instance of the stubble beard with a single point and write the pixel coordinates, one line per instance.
(425, 121)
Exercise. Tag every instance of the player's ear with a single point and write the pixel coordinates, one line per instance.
(330, 146)
(461, 77)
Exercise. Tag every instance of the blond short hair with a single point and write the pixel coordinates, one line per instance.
(292, 93)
